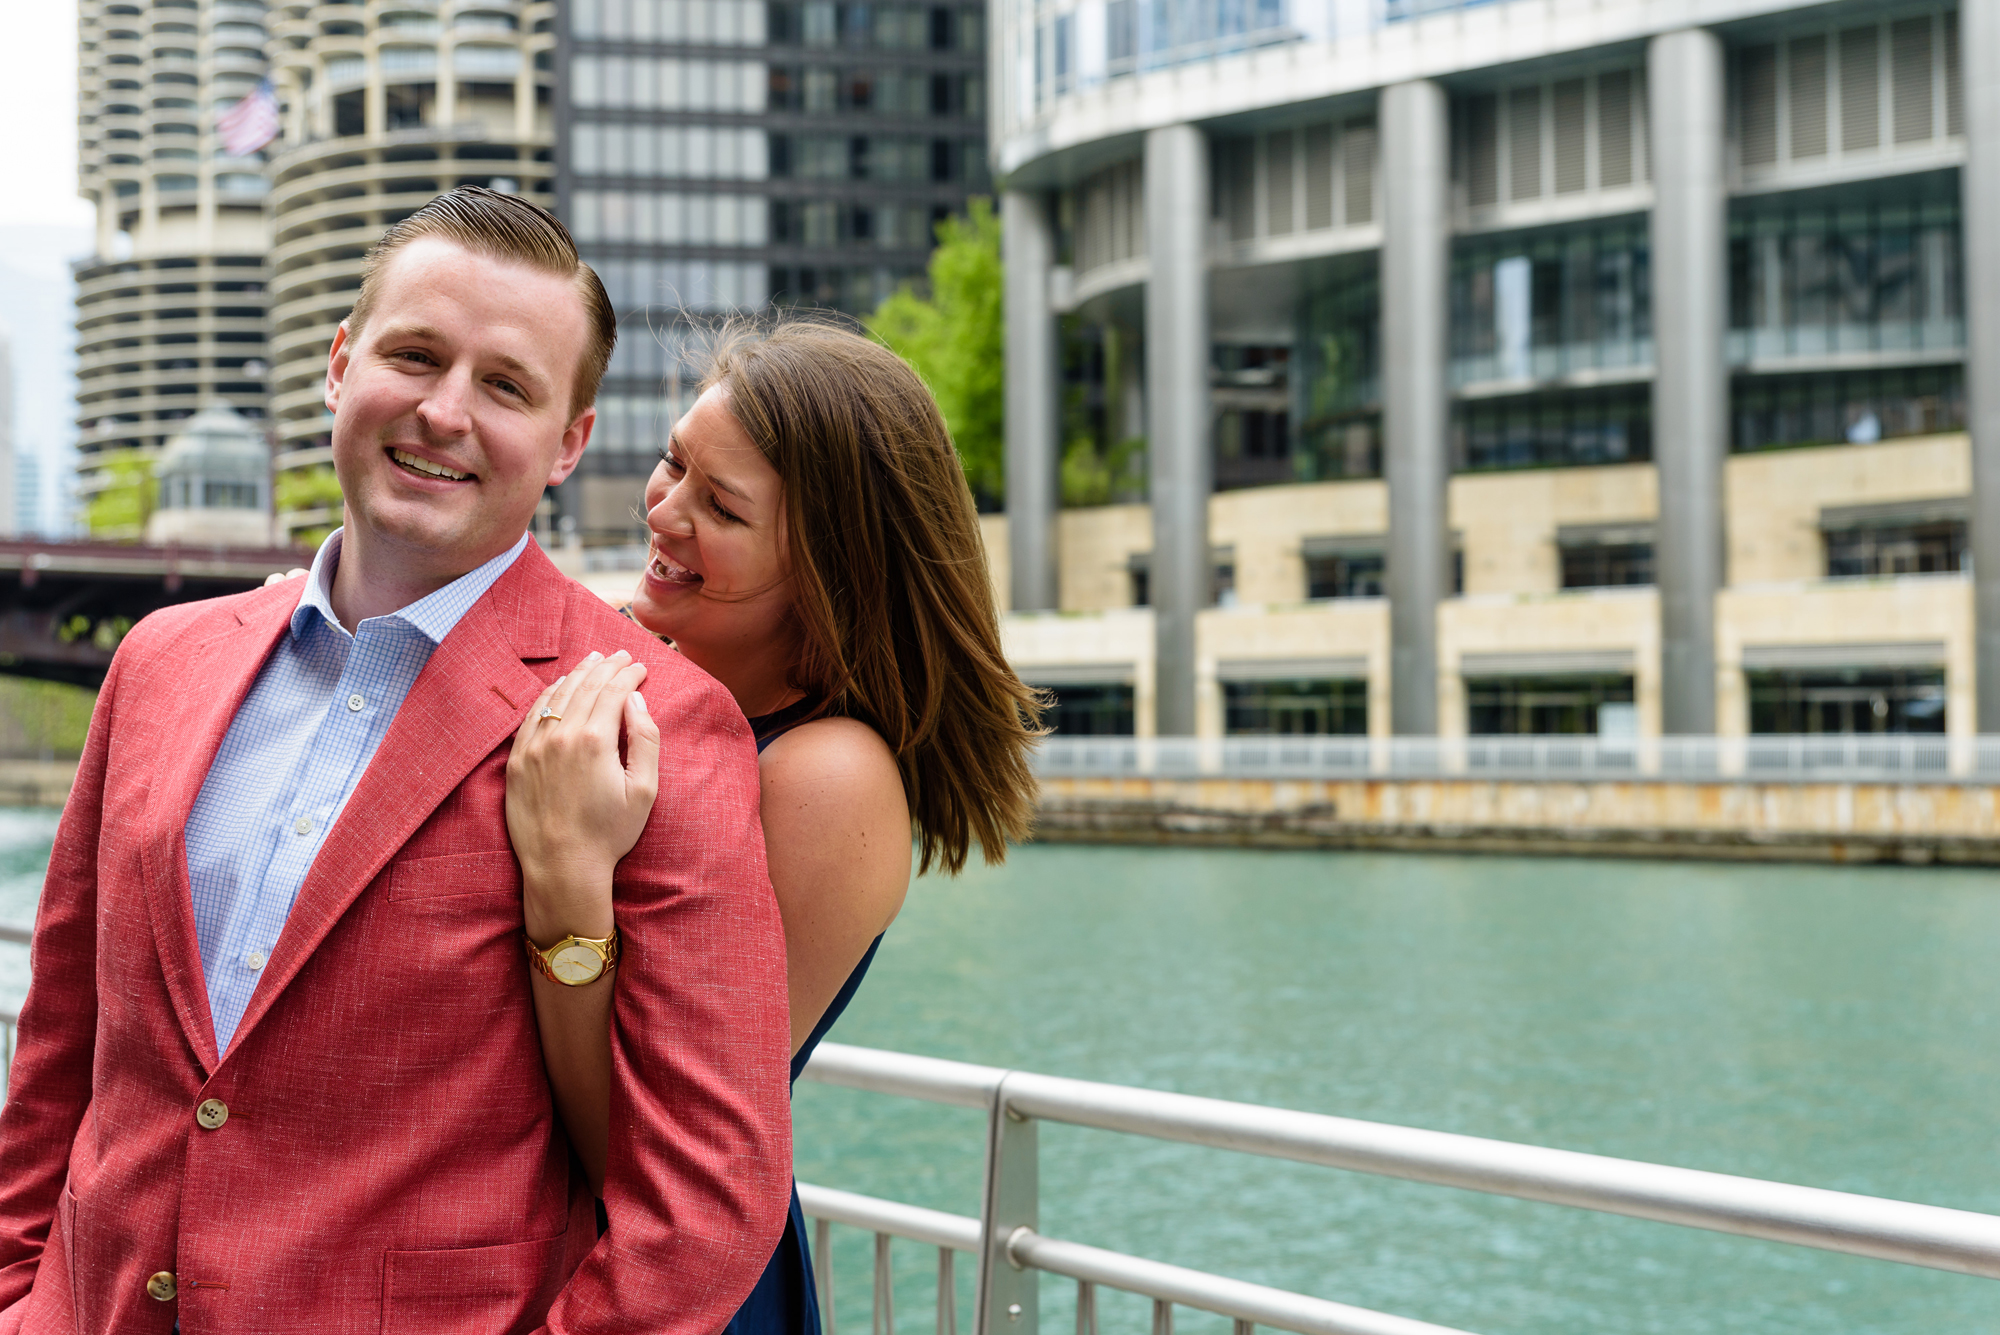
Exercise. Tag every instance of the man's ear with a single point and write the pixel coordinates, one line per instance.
(575, 436)
(336, 367)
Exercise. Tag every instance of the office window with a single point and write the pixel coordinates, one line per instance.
(1554, 705)
(1865, 268)
(1845, 407)
(1564, 428)
(1898, 549)
(1302, 707)
(1336, 363)
(1847, 700)
(1605, 556)
(1334, 571)
(1093, 709)
(1540, 304)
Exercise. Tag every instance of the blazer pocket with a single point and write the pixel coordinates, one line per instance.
(474, 1290)
(494, 873)
(66, 1221)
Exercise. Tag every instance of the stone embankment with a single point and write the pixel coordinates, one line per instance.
(1910, 823)
(36, 783)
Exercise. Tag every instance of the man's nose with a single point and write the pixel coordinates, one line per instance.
(447, 410)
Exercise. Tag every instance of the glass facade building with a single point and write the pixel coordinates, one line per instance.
(721, 155)
(1549, 371)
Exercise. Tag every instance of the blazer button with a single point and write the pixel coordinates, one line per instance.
(161, 1287)
(210, 1114)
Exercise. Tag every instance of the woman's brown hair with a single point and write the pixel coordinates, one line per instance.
(893, 604)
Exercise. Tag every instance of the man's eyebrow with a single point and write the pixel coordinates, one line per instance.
(424, 333)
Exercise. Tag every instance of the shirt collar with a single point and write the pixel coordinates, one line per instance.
(433, 616)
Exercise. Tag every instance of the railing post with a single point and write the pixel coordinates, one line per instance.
(885, 1288)
(823, 1271)
(1008, 1293)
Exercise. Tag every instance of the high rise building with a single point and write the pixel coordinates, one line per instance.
(721, 154)
(171, 310)
(9, 442)
(1506, 368)
(384, 105)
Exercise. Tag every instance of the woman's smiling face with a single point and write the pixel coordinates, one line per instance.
(717, 581)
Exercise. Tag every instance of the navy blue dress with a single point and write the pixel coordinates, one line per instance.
(785, 1301)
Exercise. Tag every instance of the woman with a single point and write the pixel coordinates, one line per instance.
(815, 549)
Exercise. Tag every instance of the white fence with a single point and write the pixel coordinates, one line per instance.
(1859, 757)
(1011, 1252)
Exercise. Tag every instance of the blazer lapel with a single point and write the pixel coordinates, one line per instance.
(468, 699)
(226, 665)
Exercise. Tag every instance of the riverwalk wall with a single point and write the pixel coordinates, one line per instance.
(1911, 823)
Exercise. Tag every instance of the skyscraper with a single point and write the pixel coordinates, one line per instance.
(721, 154)
(9, 438)
(171, 309)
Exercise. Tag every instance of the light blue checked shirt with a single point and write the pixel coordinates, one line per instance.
(293, 755)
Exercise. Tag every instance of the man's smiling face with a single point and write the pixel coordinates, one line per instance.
(452, 406)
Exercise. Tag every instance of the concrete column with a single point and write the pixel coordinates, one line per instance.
(1684, 72)
(1979, 32)
(1416, 395)
(1034, 386)
(1177, 370)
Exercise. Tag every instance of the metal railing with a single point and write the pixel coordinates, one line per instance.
(1012, 1253)
(13, 936)
(1821, 757)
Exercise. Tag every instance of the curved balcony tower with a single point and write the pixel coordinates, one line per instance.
(171, 308)
(383, 106)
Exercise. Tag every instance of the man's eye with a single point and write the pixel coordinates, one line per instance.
(509, 387)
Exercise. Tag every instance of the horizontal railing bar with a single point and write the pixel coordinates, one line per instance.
(1889, 1230)
(1898, 758)
(932, 1079)
(879, 1216)
(19, 936)
(1211, 1293)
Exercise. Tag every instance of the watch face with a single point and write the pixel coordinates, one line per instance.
(576, 964)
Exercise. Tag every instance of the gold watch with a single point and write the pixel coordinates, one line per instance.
(574, 961)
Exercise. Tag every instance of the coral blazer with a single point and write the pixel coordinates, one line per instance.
(378, 1150)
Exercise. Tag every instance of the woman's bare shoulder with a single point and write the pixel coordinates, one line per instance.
(829, 750)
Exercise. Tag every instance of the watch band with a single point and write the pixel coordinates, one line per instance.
(543, 960)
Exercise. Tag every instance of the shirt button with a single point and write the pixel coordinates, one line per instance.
(303, 825)
(161, 1287)
(254, 960)
(355, 702)
(210, 1114)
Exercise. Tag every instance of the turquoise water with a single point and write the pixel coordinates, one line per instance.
(1826, 1026)
(1832, 1027)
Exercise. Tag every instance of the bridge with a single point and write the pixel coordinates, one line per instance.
(64, 606)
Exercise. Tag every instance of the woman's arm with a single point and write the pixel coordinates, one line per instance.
(837, 837)
(573, 810)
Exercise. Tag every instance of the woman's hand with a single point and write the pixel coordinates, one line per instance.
(574, 807)
(275, 578)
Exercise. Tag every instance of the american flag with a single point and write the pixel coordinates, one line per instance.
(250, 124)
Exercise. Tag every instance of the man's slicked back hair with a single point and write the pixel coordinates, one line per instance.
(510, 229)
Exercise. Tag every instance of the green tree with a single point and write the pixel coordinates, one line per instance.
(955, 340)
(314, 488)
(126, 499)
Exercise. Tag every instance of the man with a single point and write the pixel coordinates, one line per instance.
(278, 1069)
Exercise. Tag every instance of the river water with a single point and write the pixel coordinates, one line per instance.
(1828, 1026)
